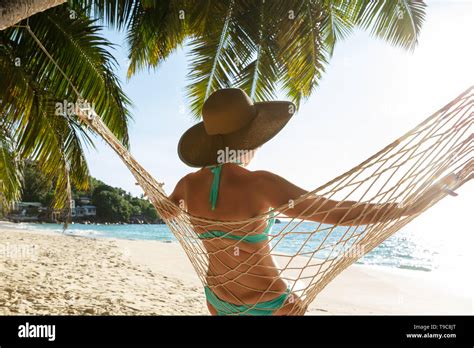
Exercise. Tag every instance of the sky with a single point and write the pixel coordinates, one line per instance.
(370, 94)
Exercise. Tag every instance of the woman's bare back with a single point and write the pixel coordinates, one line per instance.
(239, 272)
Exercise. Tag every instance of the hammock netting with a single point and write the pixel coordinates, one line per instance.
(308, 254)
(399, 173)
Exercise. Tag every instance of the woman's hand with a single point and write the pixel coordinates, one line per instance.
(435, 191)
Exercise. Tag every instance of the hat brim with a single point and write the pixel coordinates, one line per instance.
(196, 148)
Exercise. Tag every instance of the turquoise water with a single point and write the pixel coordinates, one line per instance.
(403, 250)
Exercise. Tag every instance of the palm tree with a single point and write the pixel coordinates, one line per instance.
(256, 45)
(33, 123)
(13, 11)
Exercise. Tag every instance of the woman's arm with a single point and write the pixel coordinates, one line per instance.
(178, 198)
(279, 191)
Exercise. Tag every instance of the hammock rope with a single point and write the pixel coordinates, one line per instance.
(309, 255)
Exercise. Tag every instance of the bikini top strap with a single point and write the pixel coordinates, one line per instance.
(216, 170)
(215, 185)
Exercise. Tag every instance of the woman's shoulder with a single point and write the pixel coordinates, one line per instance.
(190, 177)
(265, 175)
(251, 176)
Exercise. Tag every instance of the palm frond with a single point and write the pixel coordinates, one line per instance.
(115, 13)
(397, 22)
(214, 59)
(85, 58)
(32, 90)
(259, 75)
(335, 24)
(10, 171)
(155, 32)
(303, 53)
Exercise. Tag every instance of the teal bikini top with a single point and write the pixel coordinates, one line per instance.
(254, 238)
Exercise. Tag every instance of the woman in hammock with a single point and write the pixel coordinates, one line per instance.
(242, 276)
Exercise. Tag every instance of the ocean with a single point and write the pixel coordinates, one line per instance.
(405, 250)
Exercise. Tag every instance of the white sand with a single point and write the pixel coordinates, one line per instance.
(49, 273)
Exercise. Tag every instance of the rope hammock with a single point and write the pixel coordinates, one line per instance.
(399, 173)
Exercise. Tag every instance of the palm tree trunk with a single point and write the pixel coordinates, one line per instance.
(13, 11)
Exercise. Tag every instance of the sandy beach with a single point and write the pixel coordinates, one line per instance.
(49, 273)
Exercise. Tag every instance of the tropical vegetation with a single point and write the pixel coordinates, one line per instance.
(113, 205)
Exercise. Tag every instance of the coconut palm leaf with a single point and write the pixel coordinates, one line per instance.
(260, 69)
(308, 43)
(303, 53)
(31, 91)
(155, 32)
(115, 13)
(154, 28)
(292, 48)
(397, 22)
(335, 24)
(214, 58)
(50, 140)
(10, 171)
(256, 45)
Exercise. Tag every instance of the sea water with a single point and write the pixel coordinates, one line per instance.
(403, 250)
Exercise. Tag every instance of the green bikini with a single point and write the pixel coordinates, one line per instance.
(223, 307)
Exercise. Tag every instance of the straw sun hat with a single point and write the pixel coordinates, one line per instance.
(232, 122)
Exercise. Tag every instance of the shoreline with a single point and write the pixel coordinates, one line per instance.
(120, 276)
(86, 222)
(25, 226)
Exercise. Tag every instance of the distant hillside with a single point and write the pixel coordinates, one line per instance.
(113, 204)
